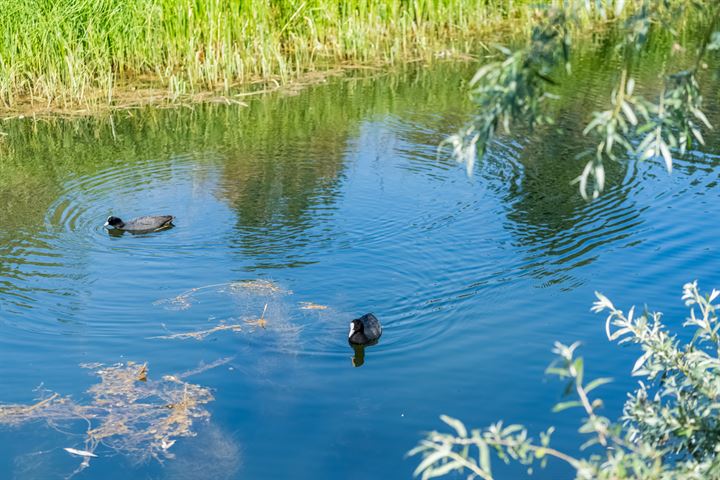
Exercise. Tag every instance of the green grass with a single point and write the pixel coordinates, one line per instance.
(70, 53)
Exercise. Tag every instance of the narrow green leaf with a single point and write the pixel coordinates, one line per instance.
(443, 469)
(579, 366)
(696, 133)
(641, 361)
(565, 405)
(701, 116)
(456, 424)
(627, 110)
(596, 383)
(429, 460)
(510, 429)
(665, 151)
(484, 457)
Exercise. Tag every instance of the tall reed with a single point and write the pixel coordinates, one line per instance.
(67, 53)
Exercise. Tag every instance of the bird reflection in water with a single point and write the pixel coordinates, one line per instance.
(358, 358)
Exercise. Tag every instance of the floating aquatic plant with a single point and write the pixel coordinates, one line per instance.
(127, 412)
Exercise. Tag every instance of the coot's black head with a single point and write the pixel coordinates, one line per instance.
(114, 222)
(357, 332)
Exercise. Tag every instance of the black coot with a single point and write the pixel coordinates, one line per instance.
(141, 224)
(365, 330)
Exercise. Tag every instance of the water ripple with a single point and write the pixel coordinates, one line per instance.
(55, 267)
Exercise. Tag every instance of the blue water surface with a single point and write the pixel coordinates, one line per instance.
(315, 209)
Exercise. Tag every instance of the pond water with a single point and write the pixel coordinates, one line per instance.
(305, 211)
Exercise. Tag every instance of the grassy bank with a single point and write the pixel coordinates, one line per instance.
(72, 54)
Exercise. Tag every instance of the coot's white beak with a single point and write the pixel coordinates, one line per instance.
(106, 225)
(352, 329)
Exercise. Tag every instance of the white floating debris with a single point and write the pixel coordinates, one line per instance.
(82, 453)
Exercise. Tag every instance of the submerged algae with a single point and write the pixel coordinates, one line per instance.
(127, 412)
